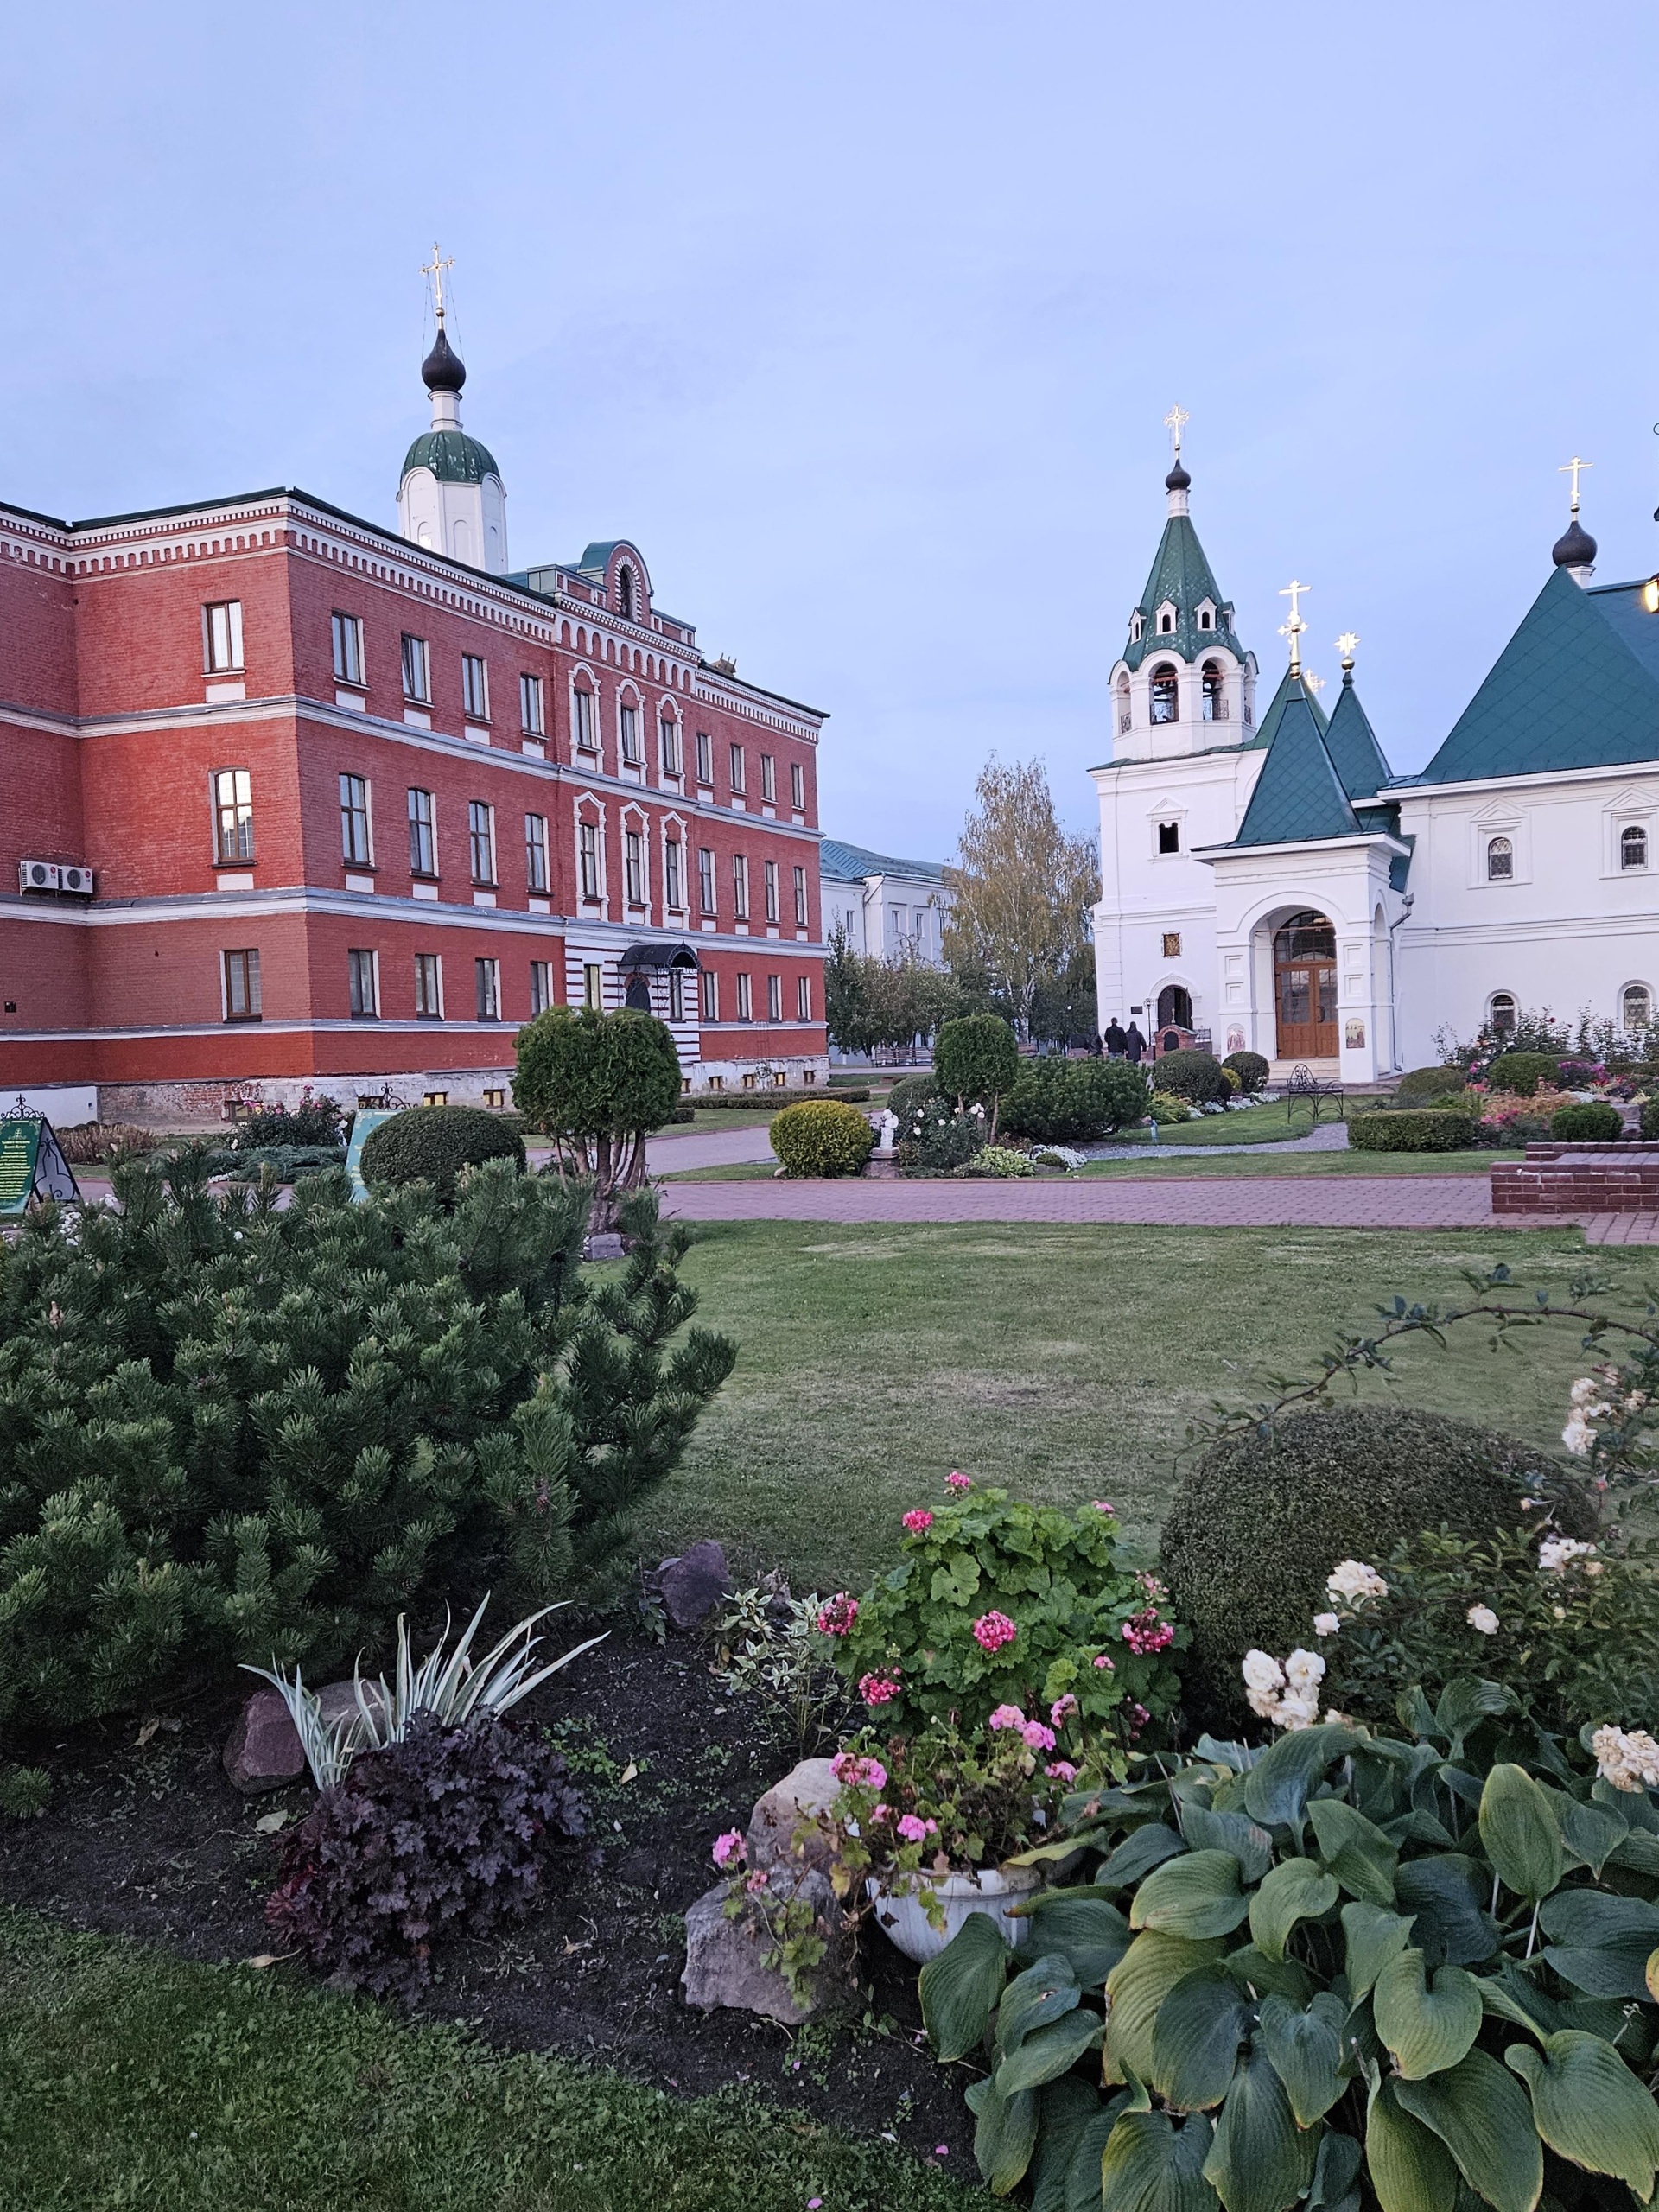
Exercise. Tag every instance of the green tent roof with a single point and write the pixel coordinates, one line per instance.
(1299, 793)
(452, 456)
(1292, 686)
(1352, 743)
(1182, 577)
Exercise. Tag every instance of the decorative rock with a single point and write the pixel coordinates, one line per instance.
(607, 1245)
(724, 1959)
(694, 1584)
(263, 1752)
(782, 1831)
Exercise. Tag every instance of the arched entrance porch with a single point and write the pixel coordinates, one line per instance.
(1305, 987)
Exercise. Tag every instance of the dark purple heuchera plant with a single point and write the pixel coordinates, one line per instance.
(448, 1830)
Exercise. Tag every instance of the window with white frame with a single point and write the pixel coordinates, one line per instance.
(241, 972)
(797, 786)
(676, 994)
(668, 735)
(541, 987)
(587, 858)
(356, 842)
(633, 866)
(706, 880)
(480, 840)
(803, 998)
(673, 876)
(739, 887)
(232, 815)
(530, 706)
(422, 834)
(774, 998)
(428, 987)
(221, 636)
(348, 633)
(709, 995)
(593, 985)
(417, 671)
(1636, 1006)
(800, 897)
(363, 981)
(737, 771)
(628, 723)
(768, 777)
(536, 851)
(769, 879)
(583, 720)
(487, 981)
(745, 997)
(1500, 860)
(1501, 1013)
(1633, 848)
(475, 688)
(705, 758)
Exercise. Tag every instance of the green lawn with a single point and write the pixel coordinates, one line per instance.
(1270, 1124)
(1235, 1164)
(1064, 1361)
(133, 2079)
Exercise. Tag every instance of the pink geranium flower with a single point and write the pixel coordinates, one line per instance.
(1103, 1505)
(1110, 1665)
(993, 1631)
(1061, 1771)
(1062, 1709)
(957, 1481)
(730, 1849)
(912, 1829)
(917, 1519)
(852, 1770)
(1038, 1738)
(1007, 1716)
(836, 1618)
(877, 1689)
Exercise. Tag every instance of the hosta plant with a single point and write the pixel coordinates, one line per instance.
(1348, 1970)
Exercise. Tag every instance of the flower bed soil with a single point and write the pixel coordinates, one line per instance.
(147, 1838)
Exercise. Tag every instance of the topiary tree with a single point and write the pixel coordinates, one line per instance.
(1259, 1522)
(822, 1136)
(1430, 1083)
(976, 1061)
(1192, 1074)
(1250, 1069)
(598, 1083)
(432, 1144)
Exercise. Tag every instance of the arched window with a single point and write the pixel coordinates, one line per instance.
(1500, 860)
(1635, 1006)
(1633, 847)
(1206, 621)
(625, 593)
(1500, 1014)
(1137, 623)
(1165, 622)
(1166, 700)
(1214, 703)
(1124, 715)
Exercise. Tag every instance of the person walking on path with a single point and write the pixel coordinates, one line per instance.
(1115, 1040)
(1134, 1043)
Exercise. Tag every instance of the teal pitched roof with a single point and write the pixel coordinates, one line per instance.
(1293, 684)
(1352, 743)
(846, 863)
(1299, 794)
(452, 456)
(1576, 687)
(1183, 578)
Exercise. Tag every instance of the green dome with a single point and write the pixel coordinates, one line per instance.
(452, 456)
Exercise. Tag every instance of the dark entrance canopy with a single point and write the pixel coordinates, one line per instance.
(647, 958)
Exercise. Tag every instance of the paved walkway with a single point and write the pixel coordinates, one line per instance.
(1622, 1229)
(1328, 1136)
(667, 1156)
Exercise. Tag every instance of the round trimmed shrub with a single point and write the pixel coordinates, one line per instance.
(1521, 1073)
(1194, 1075)
(1259, 1522)
(822, 1136)
(911, 1093)
(1651, 1119)
(1431, 1128)
(1055, 1099)
(1430, 1083)
(1250, 1069)
(975, 1059)
(432, 1144)
(1590, 1120)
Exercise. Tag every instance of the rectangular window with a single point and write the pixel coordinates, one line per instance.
(737, 770)
(800, 897)
(710, 995)
(221, 636)
(475, 688)
(232, 815)
(630, 725)
(768, 777)
(676, 994)
(348, 649)
(480, 840)
(739, 887)
(745, 999)
(803, 998)
(536, 851)
(705, 758)
(592, 986)
(356, 846)
(364, 983)
(797, 786)
(417, 671)
(530, 705)
(633, 856)
(673, 885)
(774, 998)
(706, 880)
(541, 987)
(242, 986)
(486, 977)
(581, 719)
(769, 876)
(668, 732)
(428, 986)
(423, 834)
(587, 852)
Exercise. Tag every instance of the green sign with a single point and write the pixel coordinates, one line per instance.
(32, 1165)
(363, 1123)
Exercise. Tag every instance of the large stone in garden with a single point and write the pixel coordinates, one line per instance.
(725, 1958)
(262, 1751)
(694, 1584)
(782, 1828)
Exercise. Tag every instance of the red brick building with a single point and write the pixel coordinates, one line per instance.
(289, 797)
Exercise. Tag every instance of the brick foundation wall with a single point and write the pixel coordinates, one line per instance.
(1560, 1178)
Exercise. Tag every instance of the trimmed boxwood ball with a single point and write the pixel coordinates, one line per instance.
(1194, 1075)
(432, 1144)
(1589, 1121)
(1250, 1069)
(911, 1093)
(1521, 1073)
(821, 1137)
(1435, 1129)
(1259, 1522)
(1430, 1083)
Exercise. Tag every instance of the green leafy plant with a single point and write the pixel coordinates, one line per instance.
(598, 1083)
(1054, 1100)
(768, 1646)
(976, 1062)
(316, 1120)
(821, 1137)
(1192, 1075)
(1166, 1108)
(1432, 1129)
(1592, 1121)
(435, 1144)
(1251, 1070)
(935, 1137)
(1523, 1071)
(998, 1603)
(1432, 1082)
(1346, 1970)
(1002, 1161)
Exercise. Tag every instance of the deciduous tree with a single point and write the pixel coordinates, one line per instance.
(1020, 889)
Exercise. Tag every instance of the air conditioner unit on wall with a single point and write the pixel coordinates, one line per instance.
(77, 882)
(39, 875)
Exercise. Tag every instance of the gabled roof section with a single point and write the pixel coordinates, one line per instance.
(1183, 578)
(1292, 686)
(1352, 743)
(1299, 794)
(852, 863)
(1576, 687)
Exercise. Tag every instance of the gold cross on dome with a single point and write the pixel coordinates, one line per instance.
(1573, 468)
(1175, 421)
(435, 270)
(1294, 627)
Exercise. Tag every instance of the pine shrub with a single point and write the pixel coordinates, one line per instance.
(1192, 1074)
(1434, 1128)
(822, 1136)
(1250, 1069)
(1592, 1121)
(1430, 1083)
(1259, 1522)
(1057, 1101)
(432, 1144)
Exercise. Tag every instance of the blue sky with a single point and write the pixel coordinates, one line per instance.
(862, 320)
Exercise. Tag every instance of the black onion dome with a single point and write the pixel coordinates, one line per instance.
(1178, 479)
(1575, 548)
(443, 370)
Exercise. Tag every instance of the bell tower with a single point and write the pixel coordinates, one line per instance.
(451, 498)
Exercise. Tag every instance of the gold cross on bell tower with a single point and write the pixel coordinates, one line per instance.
(435, 270)
(1294, 627)
(1574, 469)
(1175, 421)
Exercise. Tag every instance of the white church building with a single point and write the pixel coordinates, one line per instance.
(1269, 885)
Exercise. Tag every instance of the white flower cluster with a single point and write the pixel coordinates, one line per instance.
(1483, 1619)
(1286, 1694)
(1629, 1762)
(1352, 1580)
(1589, 1405)
(1556, 1551)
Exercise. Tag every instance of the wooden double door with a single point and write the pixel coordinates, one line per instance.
(1305, 988)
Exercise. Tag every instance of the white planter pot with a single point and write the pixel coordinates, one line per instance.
(902, 1914)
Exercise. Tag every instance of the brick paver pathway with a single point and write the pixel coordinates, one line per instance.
(1622, 1229)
